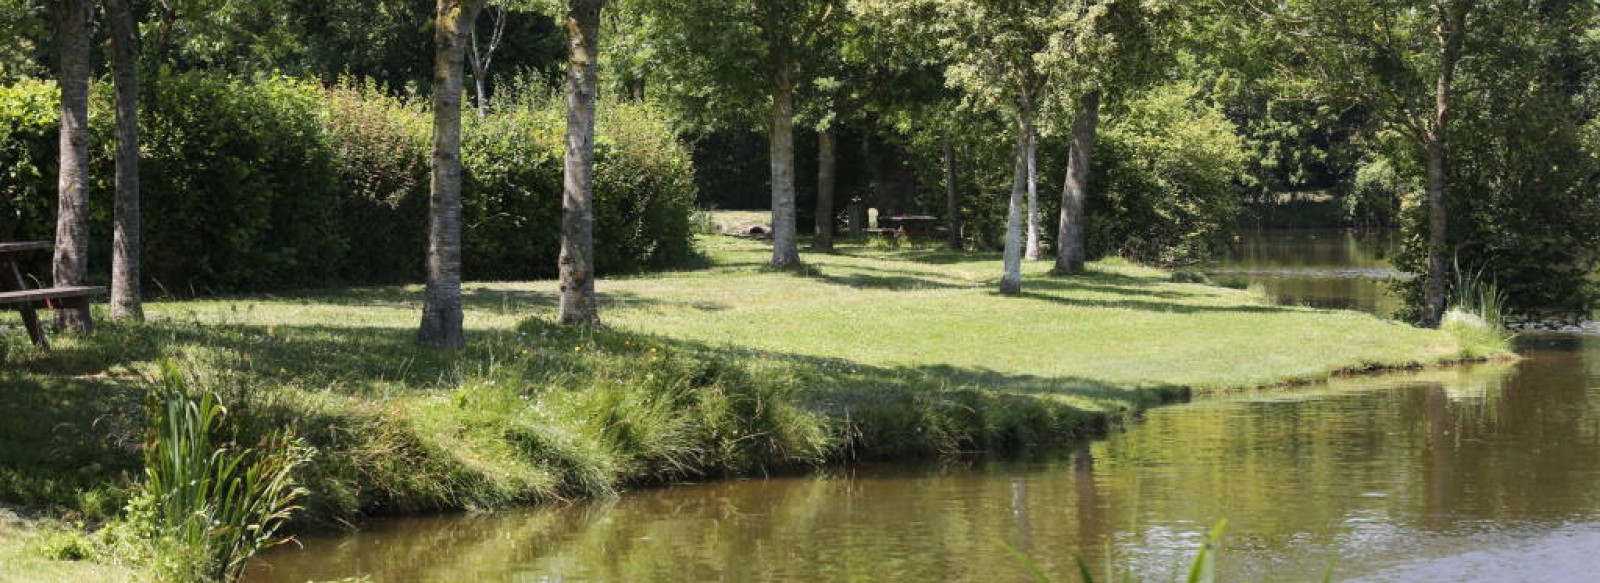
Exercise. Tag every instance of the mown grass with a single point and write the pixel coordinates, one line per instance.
(731, 370)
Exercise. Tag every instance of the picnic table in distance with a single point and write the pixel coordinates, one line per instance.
(15, 295)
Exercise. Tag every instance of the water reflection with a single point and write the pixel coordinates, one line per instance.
(1331, 269)
(1381, 473)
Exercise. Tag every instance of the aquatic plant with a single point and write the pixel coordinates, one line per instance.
(210, 506)
(1202, 570)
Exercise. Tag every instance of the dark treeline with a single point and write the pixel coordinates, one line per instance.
(1073, 128)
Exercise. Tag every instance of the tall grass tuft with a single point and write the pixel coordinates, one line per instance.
(209, 504)
(1479, 297)
(1478, 310)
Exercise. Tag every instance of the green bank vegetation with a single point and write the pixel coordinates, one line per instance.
(717, 372)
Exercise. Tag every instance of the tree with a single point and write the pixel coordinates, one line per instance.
(125, 278)
(441, 312)
(993, 51)
(71, 264)
(578, 302)
(1114, 49)
(483, 54)
(738, 55)
(1400, 59)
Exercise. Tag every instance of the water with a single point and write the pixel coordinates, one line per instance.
(1482, 473)
(1321, 268)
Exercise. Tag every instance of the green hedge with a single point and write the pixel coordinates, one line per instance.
(273, 183)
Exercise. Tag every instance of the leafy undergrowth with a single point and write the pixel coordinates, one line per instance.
(735, 370)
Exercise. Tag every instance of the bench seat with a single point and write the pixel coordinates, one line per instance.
(49, 298)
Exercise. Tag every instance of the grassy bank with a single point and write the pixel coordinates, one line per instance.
(732, 370)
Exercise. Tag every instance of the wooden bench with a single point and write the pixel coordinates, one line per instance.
(17, 296)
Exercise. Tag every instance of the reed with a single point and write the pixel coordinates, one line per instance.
(211, 505)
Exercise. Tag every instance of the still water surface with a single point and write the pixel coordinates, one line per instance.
(1486, 473)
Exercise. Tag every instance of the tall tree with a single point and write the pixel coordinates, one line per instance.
(71, 264)
(1399, 58)
(483, 55)
(1115, 49)
(126, 302)
(732, 56)
(578, 303)
(441, 311)
(994, 50)
(1071, 240)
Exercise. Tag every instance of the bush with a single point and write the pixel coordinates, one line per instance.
(644, 190)
(274, 183)
(1165, 171)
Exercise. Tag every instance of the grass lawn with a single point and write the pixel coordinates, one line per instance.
(734, 369)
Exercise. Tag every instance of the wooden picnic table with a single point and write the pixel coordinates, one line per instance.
(15, 294)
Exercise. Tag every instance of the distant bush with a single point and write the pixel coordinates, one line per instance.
(644, 190)
(1164, 178)
(273, 183)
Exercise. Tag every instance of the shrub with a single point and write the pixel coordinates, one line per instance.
(210, 505)
(239, 183)
(28, 160)
(1166, 170)
(644, 190)
(275, 182)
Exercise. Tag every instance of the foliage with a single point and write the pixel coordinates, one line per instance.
(210, 505)
(240, 188)
(28, 159)
(644, 189)
(274, 183)
(1165, 178)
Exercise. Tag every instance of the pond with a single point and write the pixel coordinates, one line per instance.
(1483, 473)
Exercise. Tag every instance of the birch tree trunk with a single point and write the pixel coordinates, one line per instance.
(578, 303)
(1072, 245)
(126, 301)
(441, 310)
(71, 261)
(1011, 279)
(952, 196)
(827, 180)
(785, 248)
(1032, 252)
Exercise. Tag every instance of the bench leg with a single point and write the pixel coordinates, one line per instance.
(30, 320)
(12, 278)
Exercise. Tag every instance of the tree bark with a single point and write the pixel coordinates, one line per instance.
(952, 196)
(578, 303)
(71, 261)
(483, 58)
(1452, 29)
(1072, 247)
(785, 248)
(827, 180)
(441, 311)
(1032, 251)
(126, 301)
(1011, 279)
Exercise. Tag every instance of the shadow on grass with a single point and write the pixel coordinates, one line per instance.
(76, 410)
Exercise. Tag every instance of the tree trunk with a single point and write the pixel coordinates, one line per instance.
(71, 262)
(578, 303)
(952, 196)
(785, 248)
(1451, 31)
(1072, 247)
(126, 302)
(1011, 280)
(441, 311)
(827, 179)
(1032, 252)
